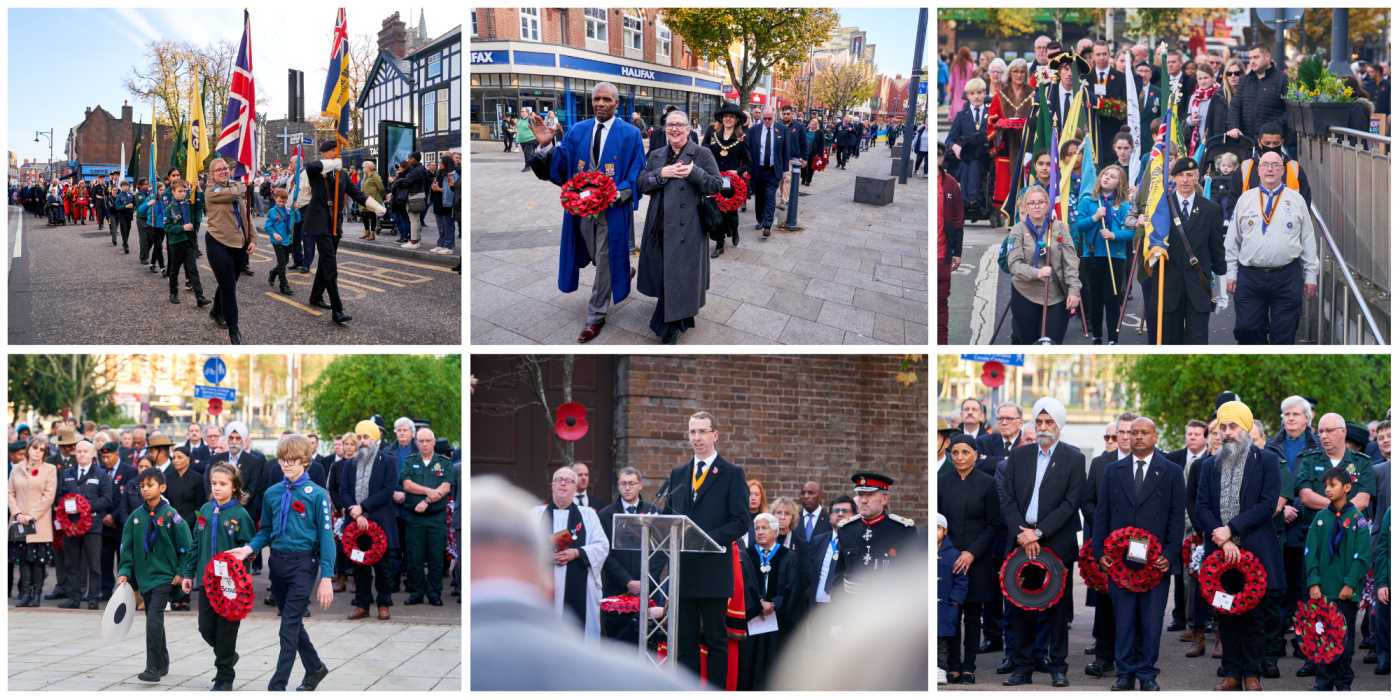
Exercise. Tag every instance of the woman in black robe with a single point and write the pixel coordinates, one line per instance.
(770, 588)
(731, 153)
(967, 497)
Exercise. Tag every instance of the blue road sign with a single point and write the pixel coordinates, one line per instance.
(1009, 360)
(215, 370)
(223, 393)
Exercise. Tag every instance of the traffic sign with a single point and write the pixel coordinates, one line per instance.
(216, 407)
(1011, 360)
(223, 393)
(215, 370)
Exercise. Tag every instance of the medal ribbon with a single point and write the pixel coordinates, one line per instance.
(1267, 210)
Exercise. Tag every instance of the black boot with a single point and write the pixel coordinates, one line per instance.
(719, 249)
(271, 277)
(286, 288)
(200, 301)
(174, 298)
(234, 337)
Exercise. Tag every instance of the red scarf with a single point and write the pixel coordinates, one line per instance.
(1197, 97)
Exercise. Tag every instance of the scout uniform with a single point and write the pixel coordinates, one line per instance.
(1271, 252)
(425, 534)
(155, 549)
(217, 529)
(1338, 553)
(868, 546)
(181, 244)
(1314, 463)
(296, 524)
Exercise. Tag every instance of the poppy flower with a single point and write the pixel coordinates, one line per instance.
(298, 506)
(1137, 580)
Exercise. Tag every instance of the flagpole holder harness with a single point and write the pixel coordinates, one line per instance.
(661, 539)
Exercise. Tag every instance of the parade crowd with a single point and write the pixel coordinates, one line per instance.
(1064, 150)
(1300, 516)
(153, 510)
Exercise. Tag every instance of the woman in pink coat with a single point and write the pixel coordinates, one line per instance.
(33, 485)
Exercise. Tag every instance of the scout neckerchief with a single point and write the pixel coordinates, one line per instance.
(1267, 210)
(151, 531)
(214, 530)
(1334, 541)
(576, 571)
(1039, 236)
(288, 491)
(1108, 222)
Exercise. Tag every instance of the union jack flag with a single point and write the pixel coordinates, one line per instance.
(236, 138)
(335, 98)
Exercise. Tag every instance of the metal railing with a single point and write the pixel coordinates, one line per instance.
(1350, 180)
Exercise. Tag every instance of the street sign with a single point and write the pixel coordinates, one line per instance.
(1012, 360)
(222, 393)
(216, 407)
(215, 370)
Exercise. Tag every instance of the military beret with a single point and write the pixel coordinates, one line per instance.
(328, 145)
(1184, 164)
(18, 446)
(109, 447)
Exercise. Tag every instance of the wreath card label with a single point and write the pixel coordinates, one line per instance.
(1137, 550)
(70, 506)
(1223, 600)
(357, 556)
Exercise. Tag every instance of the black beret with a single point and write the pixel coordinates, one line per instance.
(328, 145)
(1184, 164)
(1358, 433)
(109, 447)
(18, 446)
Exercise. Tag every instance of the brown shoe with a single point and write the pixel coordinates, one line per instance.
(359, 614)
(590, 331)
(338, 585)
(1228, 683)
(383, 613)
(1252, 683)
(1189, 635)
(1198, 645)
(1215, 650)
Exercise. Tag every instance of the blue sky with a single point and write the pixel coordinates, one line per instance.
(64, 60)
(892, 31)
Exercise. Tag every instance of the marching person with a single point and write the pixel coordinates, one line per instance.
(1044, 271)
(1187, 296)
(726, 144)
(1235, 504)
(1104, 239)
(1147, 491)
(768, 152)
(124, 209)
(1039, 496)
(155, 551)
(427, 484)
(229, 241)
(331, 189)
(614, 147)
(222, 524)
(182, 218)
(1271, 256)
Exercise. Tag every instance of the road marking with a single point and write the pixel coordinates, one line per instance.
(984, 298)
(341, 281)
(397, 261)
(292, 302)
(19, 237)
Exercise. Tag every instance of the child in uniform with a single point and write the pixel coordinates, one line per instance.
(156, 549)
(1336, 555)
(279, 229)
(222, 524)
(181, 226)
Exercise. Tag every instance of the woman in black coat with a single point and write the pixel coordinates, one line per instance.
(770, 588)
(726, 144)
(967, 497)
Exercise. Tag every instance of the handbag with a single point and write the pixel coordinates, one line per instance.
(711, 218)
(20, 531)
(417, 203)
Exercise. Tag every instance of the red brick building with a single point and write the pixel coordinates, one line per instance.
(96, 142)
(784, 419)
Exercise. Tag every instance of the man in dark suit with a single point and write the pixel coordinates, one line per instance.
(768, 151)
(1187, 297)
(819, 559)
(1040, 504)
(812, 520)
(256, 472)
(712, 492)
(88, 479)
(1149, 99)
(199, 452)
(1105, 83)
(1105, 632)
(1060, 95)
(1190, 458)
(1149, 492)
(331, 192)
(371, 497)
(1235, 518)
(622, 570)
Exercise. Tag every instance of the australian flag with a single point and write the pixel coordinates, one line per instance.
(236, 138)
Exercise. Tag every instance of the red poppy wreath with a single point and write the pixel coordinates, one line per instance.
(1094, 576)
(1137, 580)
(1188, 545)
(230, 595)
(819, 163)
(1321, 630)
(1254, 581)
(589, 193)
(74, 525)
(349, 543)
(741, 192)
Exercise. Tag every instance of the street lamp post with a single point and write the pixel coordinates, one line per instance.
(915, 77)
(49, 135)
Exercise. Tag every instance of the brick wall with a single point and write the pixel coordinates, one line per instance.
(100, 135)
(784, 419)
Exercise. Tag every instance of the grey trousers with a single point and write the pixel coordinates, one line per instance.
(595, 236)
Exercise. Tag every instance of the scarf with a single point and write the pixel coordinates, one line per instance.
(214, 529)
(1334, 538)
(1198, 99)
(1039, 237)
(364, 466)
(288, 491)
(1231, 480)
(576, 571)
(150, 529)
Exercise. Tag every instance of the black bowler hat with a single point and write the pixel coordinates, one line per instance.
(328, 145)
(1184, 164)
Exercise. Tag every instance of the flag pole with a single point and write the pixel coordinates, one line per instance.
(1161, 283)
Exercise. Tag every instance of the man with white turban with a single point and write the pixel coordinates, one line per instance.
(255, 471)
(1040, 504)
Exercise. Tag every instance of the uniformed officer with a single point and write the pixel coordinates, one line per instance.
(126, 498)
(1271, 258)
(83, 553)
(872, 542)
(296, 524)
(427, 482)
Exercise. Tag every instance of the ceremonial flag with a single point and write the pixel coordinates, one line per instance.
(335, 98)
(1134, 120)
(1088, 178)
(122, 161)
(197, 148)
(1054, 173)
(151, 159)
(240, 116)
(132, 165)
(177, 152)
(1158, 206)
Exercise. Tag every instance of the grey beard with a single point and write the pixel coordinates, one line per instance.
(1232, 454)
(365, 456)
(1045, 439)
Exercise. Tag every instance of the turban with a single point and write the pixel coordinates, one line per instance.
(942, 521)
(237, 427)
(1052, 406)
(1235, 412)
(366, 427)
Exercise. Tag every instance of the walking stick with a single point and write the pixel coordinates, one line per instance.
(1108, 253)
(1128, 287)
(1044, 315)
(1005, 312)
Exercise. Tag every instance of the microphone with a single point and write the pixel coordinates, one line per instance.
(663, 492)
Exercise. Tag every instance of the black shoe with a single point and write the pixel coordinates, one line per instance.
(1176, 625)
(1018, 679)
(219, 321)
(314, 678)
(70, 605)
(1308, 669)
(414, 600)
(92, 605)
(269, 600)
(1270, 668)
(1219, 671)
(320, 304)
(126, 251)
(222, 685)
(673, 336)
(1058, 680)
(767, 232)
(435, 602)
(719, 250)
(341, 317)
(1383, 668)
(1369, 658)
(989, 645)
(285, 290)
(1122, 683)
(189, 285)
(174, 298)
(234, 337)
(1097, 669)
(1148, 684)
(271, 278)
(967, 679)
(56, 595)
(149, 675)
(201, 302)
(248, 271)
(1005, 667)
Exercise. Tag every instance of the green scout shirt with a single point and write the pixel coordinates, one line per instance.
(307, 530)
(1353, 558)
(1314, 463)
(171, 551)
(1381, 561)
(174, 223)
(235, 530)
(431, 474)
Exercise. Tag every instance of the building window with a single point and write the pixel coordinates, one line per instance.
(530, 23)
(443, 121)
(473, 22)
(632, 32)
(663, 42)
(434, 67)
(595, 24)
(430, 112)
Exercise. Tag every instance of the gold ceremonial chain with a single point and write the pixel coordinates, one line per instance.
(724, 147)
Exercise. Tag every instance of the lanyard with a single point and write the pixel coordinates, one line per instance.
(1267, 210)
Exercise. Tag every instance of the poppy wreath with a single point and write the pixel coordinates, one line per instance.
(1187, 546)
(74, 526)
(1256, 580)
(1115, 547)
(1094, 576)
(819, 163)
(1321, 630)
(235, 608)
(349, 543)
(622, 604)
(1054, 581)
(588, 193)
(741, 193)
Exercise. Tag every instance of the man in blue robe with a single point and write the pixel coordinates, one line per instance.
(614, 147)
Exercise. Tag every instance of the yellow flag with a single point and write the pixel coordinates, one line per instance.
(198, 147)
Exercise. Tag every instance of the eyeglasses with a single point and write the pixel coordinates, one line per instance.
(677, 126)
(1233, 73)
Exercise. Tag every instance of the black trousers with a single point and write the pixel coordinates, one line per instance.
(157, 239)
(1101, 305)
(1293, 572)
(1275, 615)
(182, 255)
(99, 207)
(1025, 319)
(157, 654)
(293, 577)
(84, 566)
(1268, 304)
(1338, 674)
(1382, 621)
(378, 575)
(227, 264)
(1105, 631)
(962, 653)
(1242, 642)
(1184, 326)
(842, 153)
(222, 635)
(701, 621)
(143, 236)
(124, 223)
(326, 273)
(283, 254)
(1056, 619)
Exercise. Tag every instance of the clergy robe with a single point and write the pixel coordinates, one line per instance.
(621, 159)
(592, 543)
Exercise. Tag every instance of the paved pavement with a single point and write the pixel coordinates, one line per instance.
(420, 648)
(858, 274)
(69, 285)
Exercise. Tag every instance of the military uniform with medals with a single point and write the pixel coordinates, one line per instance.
(866, 547)
(1314, 463)
(425, 534)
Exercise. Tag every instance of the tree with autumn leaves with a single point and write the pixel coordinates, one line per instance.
(750, 42)
(840, 86)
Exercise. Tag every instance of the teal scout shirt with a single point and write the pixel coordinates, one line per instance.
(307, 529)
(431, 474)
(1353, 558)
(171, 552)
(235, 530)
